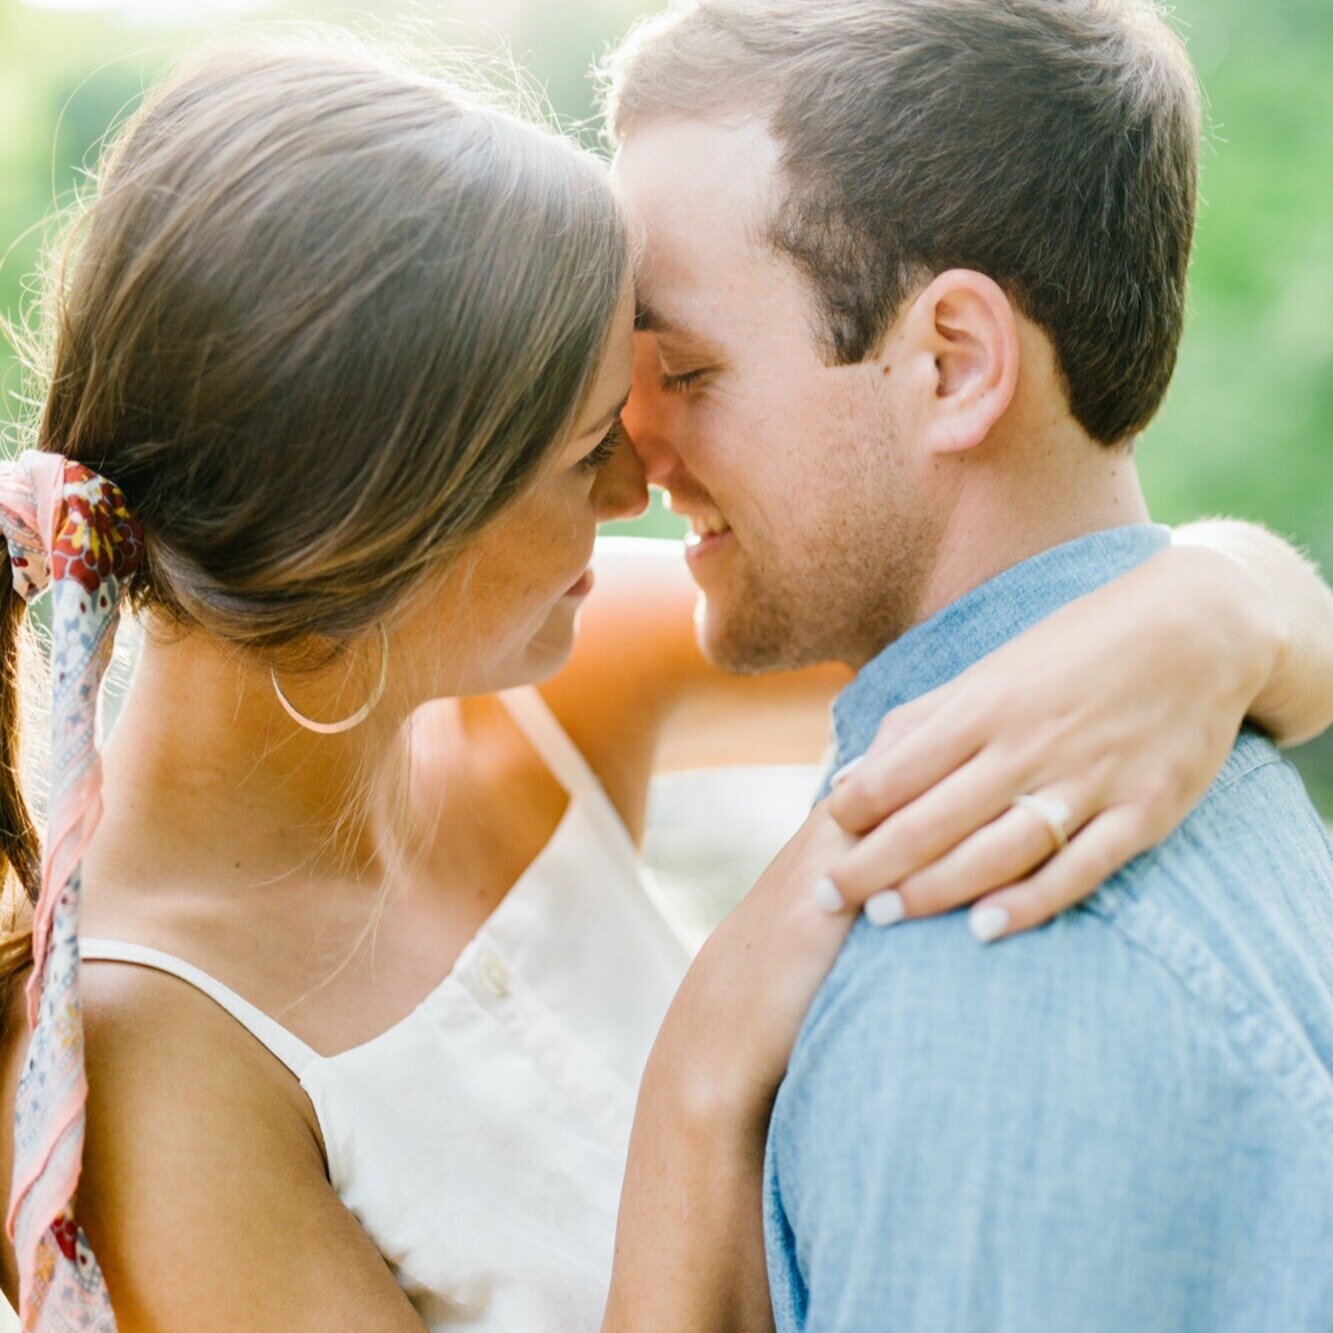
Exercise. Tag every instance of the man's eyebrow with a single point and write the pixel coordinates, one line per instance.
(648, 320)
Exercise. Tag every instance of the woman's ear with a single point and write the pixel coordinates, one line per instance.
(962, 336)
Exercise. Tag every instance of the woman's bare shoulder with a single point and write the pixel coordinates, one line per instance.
(203, 1163)
(163, 1069)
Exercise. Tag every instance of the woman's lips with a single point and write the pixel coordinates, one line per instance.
(584, 585)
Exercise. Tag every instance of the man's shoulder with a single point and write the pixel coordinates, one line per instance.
(1247, 880)
(1256, 815)
(962, 1127)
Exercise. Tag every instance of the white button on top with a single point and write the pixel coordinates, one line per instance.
(495, 974)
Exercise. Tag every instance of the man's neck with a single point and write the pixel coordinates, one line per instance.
(981, 620)
(1008, 509)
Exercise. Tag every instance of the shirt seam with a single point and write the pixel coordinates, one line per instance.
(1272, 1055)
(1226, 781)
(1110, 899)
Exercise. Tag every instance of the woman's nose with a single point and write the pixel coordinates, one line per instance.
(621, 490)
(647, 415)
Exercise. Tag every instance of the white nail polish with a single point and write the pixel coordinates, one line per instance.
(885, 909)
(845, 772)
(988, 923)
(829, 897)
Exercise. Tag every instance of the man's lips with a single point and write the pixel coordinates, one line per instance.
(704, 521)
(703, 526)
(697, 542)
(709, 532)
(703, 545)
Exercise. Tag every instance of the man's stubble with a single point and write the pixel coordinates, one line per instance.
(838, 586)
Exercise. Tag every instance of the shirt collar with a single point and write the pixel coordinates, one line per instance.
(965, 631)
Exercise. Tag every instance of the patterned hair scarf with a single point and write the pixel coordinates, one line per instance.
(70, 530)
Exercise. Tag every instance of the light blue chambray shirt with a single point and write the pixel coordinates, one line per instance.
(1121, 1123)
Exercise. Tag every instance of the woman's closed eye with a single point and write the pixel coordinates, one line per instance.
(606, 447)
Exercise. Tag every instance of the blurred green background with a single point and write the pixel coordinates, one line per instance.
(1248, 428)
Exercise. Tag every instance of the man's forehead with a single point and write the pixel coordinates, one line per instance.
(697, 195)
(687, 182)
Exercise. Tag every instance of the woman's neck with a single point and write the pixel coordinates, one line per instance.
(204, 761)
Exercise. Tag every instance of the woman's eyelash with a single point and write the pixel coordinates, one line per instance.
(679, 383)
(606, 447)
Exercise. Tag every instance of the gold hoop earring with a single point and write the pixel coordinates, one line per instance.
(347, 723)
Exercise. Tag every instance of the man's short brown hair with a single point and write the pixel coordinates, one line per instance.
(1051, 144)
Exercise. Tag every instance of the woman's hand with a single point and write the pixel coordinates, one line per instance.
(1121, 708)
(735, 1017)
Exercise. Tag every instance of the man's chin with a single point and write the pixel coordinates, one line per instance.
(741, 640)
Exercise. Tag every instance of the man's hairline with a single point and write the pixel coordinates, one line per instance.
(760, 233)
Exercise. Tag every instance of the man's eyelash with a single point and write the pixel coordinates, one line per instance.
(606, 447)
(679, 383)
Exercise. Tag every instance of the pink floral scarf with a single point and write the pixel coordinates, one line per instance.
(71, 531)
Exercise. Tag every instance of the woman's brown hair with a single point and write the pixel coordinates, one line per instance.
(325, 318)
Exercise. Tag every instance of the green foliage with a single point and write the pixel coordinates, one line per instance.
(1248, 427)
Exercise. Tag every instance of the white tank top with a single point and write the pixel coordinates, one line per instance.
(481, 1141)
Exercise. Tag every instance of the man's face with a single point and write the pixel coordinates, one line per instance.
(809, 537)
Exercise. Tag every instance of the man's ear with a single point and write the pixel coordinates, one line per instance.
(961, 340)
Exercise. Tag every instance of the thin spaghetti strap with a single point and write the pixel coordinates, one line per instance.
(534, 718)
(288, 1047)
(539, 724)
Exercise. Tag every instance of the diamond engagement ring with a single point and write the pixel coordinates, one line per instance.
(1056, 815)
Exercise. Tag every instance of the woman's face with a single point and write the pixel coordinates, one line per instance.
(505, 613)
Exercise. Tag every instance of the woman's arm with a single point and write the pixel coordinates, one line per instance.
(690, 1234)
(1292, 606)
(1230, 601)
(689, 1239)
